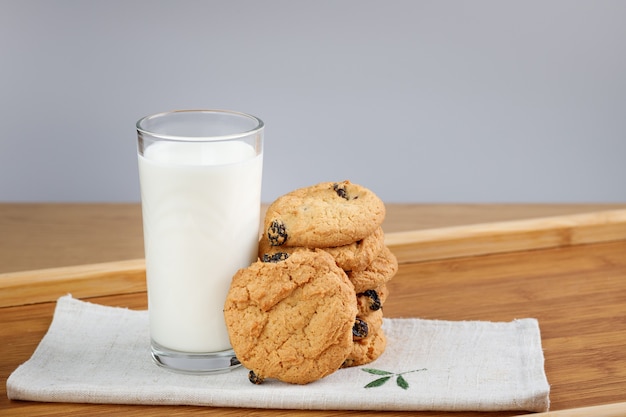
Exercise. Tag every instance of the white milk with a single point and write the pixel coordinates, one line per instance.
(201, 209)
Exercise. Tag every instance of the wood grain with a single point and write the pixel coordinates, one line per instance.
(509, 236)
(38, 236)
(606, 410)
(46, 235)
(413, 246)
(30, 287)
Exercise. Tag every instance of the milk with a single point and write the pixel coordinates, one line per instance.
(201, 208)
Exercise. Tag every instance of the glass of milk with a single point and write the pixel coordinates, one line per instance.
(200, 176)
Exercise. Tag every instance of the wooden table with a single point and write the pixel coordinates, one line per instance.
(458, 262)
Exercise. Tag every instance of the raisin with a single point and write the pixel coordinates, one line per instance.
(348, 363)
(276, 233)
(360, 329)
(275, 257)
(375, 303)
(256, 380)
(341, 191)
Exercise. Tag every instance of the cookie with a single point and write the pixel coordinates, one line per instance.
(324, 215)
(366, 350)
(371, 300)
(291, 318)
(355, 256)
(380, 271)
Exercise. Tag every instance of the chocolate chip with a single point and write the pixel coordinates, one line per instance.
(276, 233)
(275, 257)
(360, 329)
(341, 190)
(375, 303)
(256, 380)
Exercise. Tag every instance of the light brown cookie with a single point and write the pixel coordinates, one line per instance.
(323, 215)
(371, 300)
(291, 319)
(379, 272)
(355, 256)
(366, 350)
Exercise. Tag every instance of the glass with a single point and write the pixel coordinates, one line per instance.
(200, 175)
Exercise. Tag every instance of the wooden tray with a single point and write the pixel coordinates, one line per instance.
(533, 266)
(128, 276)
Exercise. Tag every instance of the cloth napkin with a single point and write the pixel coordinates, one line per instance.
(99, 354)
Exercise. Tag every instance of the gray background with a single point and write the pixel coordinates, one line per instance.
(421, 101)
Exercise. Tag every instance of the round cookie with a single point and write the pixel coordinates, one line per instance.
(371, 300)
(355, 256)
(323, 215)
(366, 350)
(291, 319)
(380, 271)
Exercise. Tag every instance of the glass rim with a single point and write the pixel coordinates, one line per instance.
(140, 129)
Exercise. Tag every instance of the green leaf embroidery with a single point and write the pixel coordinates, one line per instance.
(400, 380)
(377, 371)
(378, 382)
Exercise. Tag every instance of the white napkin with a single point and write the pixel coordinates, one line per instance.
(99, 354)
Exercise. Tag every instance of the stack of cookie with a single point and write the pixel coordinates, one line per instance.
(313, 301)
(343, 219)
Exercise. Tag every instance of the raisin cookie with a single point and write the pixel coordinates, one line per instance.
(323, 215)
(291, 318)
(355, 256)
(379, 272)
